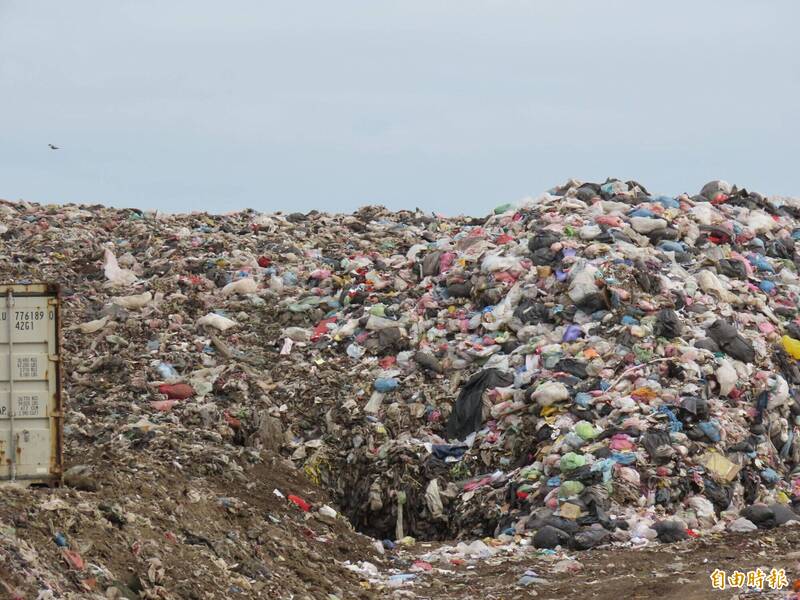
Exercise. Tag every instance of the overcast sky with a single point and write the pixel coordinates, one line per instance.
(454, 106)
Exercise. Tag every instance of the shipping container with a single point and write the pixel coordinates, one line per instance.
(31, 415)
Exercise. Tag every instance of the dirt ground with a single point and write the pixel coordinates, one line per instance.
(161, 534)
(676, 571)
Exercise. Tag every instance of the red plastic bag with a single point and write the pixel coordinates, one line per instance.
(299, 502)
(74, 560)
(232, 421)
(321, 328)
(176, 391)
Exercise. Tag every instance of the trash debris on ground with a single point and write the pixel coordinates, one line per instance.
(596, 366)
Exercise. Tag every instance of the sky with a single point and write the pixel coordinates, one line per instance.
(450, 106)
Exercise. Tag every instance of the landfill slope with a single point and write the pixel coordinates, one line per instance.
(150, 531)
(595, 367)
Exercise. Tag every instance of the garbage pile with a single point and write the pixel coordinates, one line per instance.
(596, 364)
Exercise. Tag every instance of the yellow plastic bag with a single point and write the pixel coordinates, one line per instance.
(792, 346)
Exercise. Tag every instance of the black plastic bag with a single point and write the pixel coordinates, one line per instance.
(467, 413)
(730, 342)
(668, 324)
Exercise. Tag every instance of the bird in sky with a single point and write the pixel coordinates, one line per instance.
(52, 147)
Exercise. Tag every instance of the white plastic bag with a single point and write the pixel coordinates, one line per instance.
(114, 273)
(216, 321)
(133, 302)
(582, 284)
(726, 377)
(240, 286)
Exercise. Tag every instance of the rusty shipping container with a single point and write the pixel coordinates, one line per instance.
(31, 415)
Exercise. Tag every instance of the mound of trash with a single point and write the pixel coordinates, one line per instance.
(598, 364)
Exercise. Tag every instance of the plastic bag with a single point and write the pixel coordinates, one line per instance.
(116, 275)
(216, 321)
